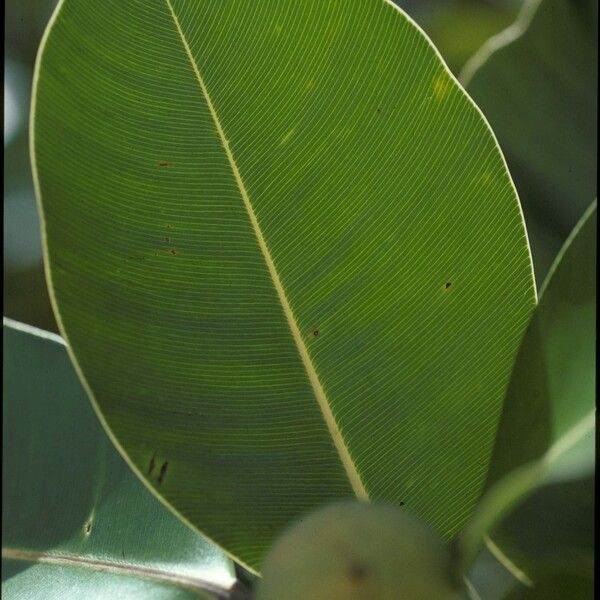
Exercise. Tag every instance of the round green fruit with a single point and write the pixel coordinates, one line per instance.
(358, 551)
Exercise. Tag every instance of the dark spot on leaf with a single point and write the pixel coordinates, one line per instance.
(88, 528)
(357, 573)
(168, 226)
(167, 239)
(163, 163)
(401, 503)
(123, 554)
(173, 251)
(379, 109)
(316, 333)
(163, 472)
(152, 464)
(448, 285)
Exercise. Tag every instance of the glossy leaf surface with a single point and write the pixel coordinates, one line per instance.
(539, 508)
(286, 252)
(76, 522)
(537, 84)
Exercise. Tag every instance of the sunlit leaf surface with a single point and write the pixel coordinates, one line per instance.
(286, 253)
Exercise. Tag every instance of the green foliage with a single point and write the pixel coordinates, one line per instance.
(537, 85)
(540, 499)
(291, 270)
(76, 522)
(290, 266)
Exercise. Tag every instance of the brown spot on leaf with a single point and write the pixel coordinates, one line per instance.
(357, 572)
(163, 163)
(163, 472)
(152, 464)
(173, 251)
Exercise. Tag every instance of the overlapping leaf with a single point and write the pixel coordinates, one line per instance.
(539, 508)
(285, 251)
(76, 522)
(537, 84)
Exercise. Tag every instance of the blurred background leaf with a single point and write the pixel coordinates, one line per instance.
(457, 27)
(460, 27)
(25, 293)
(490, 579)
(537, 85)
(76, 522)
(539, 507)
(555, 587)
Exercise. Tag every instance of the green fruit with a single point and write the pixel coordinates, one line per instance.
(358, 551)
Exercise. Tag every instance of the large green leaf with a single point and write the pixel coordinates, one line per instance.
(537, 84)
(76, 522)
(539, 510)
(285, 251)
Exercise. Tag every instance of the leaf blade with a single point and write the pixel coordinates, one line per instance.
(222, 390)
(350, 467)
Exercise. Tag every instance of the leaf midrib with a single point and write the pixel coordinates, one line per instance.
(321, 396)
(117, 568)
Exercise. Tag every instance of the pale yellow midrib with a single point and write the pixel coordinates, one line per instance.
(116, 568)
(334, 430)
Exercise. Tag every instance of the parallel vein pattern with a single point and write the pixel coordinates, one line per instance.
(327, 217)
(336, 435)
